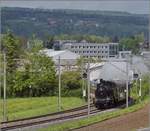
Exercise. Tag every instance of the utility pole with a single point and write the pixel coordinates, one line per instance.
(4, 92)
(140, 91)
(136, 87)
(127, 82)
(0, 78)
(88, 82)
(82, 78)
(59, 95)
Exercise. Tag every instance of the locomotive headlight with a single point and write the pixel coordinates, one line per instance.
(107, 98)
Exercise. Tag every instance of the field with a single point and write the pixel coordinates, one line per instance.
(27, 107)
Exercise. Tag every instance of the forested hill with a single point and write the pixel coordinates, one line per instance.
(41, 22)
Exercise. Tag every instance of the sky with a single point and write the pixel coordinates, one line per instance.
(131, 6)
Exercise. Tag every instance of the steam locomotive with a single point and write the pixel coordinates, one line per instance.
(109, 93)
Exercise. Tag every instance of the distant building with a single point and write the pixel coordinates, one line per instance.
(123, 54)
(146, 54)
(105, 50)
(145, 46)
(66, 57)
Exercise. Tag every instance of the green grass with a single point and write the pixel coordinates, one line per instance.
(93, 119)
(26, 107)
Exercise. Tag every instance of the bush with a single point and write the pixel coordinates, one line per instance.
(71, 83)
(145, 89)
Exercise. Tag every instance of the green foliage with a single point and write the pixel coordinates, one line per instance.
(12, 49)
(38, 77)
(29, 72)
(144, 88)
(25, 22)
(132, 43)
(34, 44)
(71, 83)
(49, 42)
(88, 38)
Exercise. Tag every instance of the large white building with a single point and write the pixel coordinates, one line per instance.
(66, 57)
(98, 50)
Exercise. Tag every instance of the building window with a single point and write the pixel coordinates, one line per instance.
(106, 51)
(102, 51)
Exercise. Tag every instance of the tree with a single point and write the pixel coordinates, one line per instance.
(71, 83)
(49, 43)
(34, 44)
(38, 76)
(11, 47)
(29, 72)
(132, 43)
(115, 39)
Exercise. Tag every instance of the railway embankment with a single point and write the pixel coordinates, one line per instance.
(77, 124)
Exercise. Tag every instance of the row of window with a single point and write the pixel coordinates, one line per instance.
(89, 47)
(90, 52)
(95, 56)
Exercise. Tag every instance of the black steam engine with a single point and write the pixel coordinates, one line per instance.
(109, 93)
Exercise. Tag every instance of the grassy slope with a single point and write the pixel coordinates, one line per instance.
(27, 107)
(94, 119)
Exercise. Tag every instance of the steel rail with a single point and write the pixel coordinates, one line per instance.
(43, 119)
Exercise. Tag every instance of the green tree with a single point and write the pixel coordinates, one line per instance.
(12, 48)
(49, 43)
(132, 43)
(29, 72)
(145, 88)
(34, 44)
(37, 76)
(71, 83)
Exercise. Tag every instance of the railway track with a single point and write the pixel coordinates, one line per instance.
(49, 118)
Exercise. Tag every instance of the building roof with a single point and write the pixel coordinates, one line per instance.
(115, 71)
(52, 53)
(87, 43)
(66, 56)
